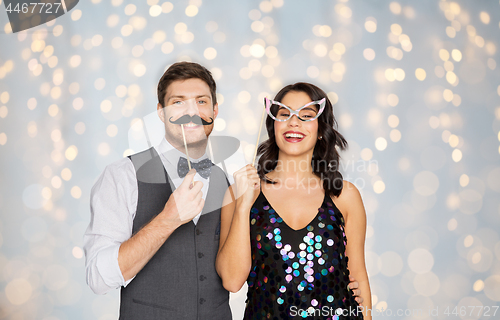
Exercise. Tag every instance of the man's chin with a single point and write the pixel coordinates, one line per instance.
(192, 141)
(197, 144)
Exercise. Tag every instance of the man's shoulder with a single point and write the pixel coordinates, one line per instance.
(119, 172)
(140, 158)
(126, 164)
(119, 168)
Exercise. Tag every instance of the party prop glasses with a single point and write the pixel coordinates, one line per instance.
(281, 112)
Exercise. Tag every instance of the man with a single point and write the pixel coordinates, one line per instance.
(153, 232)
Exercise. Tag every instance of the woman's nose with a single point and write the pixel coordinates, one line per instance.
(294, 121)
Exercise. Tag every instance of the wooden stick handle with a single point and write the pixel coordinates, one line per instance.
(185, 146)
(258, 136)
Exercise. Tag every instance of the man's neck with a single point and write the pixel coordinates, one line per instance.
(195, 150)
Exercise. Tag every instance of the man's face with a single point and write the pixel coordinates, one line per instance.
(187, 97)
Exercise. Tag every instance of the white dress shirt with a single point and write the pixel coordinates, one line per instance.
(113, 204)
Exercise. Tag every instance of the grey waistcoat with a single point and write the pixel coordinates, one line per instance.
(180, 281)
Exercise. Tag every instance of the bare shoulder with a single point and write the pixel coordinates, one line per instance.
(349, 201)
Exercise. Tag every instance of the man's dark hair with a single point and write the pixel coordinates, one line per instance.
(183, 71)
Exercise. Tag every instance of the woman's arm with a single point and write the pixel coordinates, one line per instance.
(234, 258)
(355, 230)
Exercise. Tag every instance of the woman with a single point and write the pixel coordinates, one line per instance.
(292, 254)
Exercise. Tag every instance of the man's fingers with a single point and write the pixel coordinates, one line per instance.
(196, 187)
(201, 204)
(188, 179)
(353, 285)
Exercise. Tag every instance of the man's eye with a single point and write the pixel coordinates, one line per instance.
(177, 102)
(202, 102)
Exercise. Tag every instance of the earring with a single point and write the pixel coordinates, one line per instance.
(320, 137)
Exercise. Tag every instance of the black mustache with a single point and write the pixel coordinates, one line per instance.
(194, 119)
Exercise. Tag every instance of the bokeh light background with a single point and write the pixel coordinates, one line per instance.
(415, 87)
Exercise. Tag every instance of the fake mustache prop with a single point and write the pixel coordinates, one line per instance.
(194, 119)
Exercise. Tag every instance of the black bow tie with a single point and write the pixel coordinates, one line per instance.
(203, 167)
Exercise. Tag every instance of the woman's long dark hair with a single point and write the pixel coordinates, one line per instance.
(325, 160)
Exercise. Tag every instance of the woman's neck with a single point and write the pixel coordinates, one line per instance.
(292, 169)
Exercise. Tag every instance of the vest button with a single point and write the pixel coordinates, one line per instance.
(202, 300)
(202, 277)
(200, 255)
(198, 232)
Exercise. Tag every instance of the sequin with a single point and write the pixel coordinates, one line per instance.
(305, 268)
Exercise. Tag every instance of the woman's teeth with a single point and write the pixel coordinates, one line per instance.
(294, 135)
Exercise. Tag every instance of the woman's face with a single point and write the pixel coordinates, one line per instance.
(296, 137)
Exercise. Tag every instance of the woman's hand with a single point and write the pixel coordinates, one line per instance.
(247, 183)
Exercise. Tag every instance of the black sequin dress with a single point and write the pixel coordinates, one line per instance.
(298, 274)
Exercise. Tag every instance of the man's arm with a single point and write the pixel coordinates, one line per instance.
(113, 201)
(113, 205)
(182, 206)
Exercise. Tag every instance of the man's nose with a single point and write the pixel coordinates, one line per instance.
(192, 107)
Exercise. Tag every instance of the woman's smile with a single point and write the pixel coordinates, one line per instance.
(294, 136)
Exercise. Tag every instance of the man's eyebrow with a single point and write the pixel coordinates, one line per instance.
(175, 97)
(183, 97)
(204, 96)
